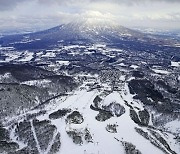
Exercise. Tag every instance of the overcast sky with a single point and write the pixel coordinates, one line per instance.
(42, 14)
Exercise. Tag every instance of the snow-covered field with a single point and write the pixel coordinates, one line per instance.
(103, 142)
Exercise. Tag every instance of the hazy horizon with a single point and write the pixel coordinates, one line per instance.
(43, 14)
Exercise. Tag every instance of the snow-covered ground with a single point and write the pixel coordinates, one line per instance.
(104, 142)
(161, 71)
(134, 66)
(175, 64)
(27, 56)
(81, 99)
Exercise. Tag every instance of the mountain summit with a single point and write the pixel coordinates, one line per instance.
(89, 87)
(84, 31)
(91, 30)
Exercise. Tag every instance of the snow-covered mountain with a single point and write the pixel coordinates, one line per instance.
(89, 87)
(82, 32)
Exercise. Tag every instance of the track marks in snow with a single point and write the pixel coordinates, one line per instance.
(51, 143)
(35, 137)
(37, 142)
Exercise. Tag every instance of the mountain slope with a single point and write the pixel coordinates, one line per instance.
(89, 88)
(71, 124)
(81, 32)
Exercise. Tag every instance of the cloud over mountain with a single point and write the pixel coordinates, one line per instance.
(9, 4)
(47, 13)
